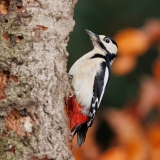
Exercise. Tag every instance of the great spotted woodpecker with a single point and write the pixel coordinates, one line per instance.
(89, 77)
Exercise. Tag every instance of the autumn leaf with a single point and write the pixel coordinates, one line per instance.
(123, 65)
(132, 42)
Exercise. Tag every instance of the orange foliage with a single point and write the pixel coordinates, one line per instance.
(116, 153)
(156, 69)
(152, 30)
(133, 43)
(129, 134)
(149, 96)
(154, 140)
(124, 65)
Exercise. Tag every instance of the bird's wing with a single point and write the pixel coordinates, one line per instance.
(100, 82)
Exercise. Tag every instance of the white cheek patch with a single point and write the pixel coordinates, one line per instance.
(111, 47)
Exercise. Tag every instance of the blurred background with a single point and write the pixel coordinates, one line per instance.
(127, 125)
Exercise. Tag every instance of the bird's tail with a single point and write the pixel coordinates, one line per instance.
(81, 134)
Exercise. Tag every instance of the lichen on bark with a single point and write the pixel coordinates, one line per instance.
(33, 57)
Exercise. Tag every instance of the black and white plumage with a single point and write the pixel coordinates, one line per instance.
(90, 75)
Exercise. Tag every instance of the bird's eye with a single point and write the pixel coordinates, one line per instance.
(106, 40)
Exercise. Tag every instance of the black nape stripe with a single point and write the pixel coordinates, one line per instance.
(102, 45)
(109, 56)
(98, 56)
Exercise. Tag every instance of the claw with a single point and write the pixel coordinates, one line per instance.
(70, 78)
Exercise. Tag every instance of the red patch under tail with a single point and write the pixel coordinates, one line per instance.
(74, 112)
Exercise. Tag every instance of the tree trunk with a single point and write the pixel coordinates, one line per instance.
(33, 79)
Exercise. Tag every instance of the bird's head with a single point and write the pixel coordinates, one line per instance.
(104, 43)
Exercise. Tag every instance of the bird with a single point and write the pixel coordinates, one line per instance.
(88, 77)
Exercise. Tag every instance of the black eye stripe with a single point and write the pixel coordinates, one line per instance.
(102, 45)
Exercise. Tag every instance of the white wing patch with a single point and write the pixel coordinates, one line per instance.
(106, 76)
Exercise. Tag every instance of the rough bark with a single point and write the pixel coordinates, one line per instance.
(33, 79)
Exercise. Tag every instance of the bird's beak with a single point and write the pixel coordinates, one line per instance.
(94, 37)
